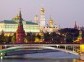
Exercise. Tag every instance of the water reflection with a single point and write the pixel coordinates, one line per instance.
(40, 60)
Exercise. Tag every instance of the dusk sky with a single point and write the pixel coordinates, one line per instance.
(63, 12)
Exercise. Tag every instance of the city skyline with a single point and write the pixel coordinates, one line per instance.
(64, 13)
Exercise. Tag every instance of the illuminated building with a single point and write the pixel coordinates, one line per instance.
(42, 19)
(10, 26)
(51, 27)
(51, 23)
(43, 28)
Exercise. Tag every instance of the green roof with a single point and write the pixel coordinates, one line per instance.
(9, 22)
(14, 22)
(28, 22)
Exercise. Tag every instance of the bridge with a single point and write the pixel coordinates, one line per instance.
(69, 48)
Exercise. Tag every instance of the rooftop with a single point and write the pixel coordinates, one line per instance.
(15, 22)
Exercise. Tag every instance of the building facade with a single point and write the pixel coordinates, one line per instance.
(9, 27)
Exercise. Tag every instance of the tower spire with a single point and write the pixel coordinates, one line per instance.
(20, 17)
(75, 25)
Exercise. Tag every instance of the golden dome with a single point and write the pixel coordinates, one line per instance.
(51, 20)
(16, 17)
(42, 10)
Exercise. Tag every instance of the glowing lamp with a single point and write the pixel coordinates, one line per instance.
(82, 48)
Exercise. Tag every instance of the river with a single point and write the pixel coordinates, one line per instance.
(40, 60)
(41, 56)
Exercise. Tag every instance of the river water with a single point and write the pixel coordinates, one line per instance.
(43, 56)
(40, 60)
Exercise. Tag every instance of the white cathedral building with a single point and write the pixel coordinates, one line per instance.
(50, 27)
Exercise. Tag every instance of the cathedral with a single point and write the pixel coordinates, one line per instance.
(42, 22)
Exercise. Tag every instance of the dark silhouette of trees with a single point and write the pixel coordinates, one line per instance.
(2, 38)
(46, 37)
(53, 38)
(13, 38)
(30, 37)
(70, 34)
(66, 35)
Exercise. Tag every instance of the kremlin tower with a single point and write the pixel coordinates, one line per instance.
(20, 33)
(76, 27)
(42, 17)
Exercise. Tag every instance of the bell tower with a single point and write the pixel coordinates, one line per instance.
(42, 17)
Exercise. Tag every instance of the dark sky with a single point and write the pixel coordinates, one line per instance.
(63, 12)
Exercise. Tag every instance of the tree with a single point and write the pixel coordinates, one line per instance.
(2, 38)
(46, 37)
(13, 38)
(71, 34)
(30, 37)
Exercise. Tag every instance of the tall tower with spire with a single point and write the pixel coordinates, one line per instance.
(20, 33)
(75, 26)
(42, 17)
